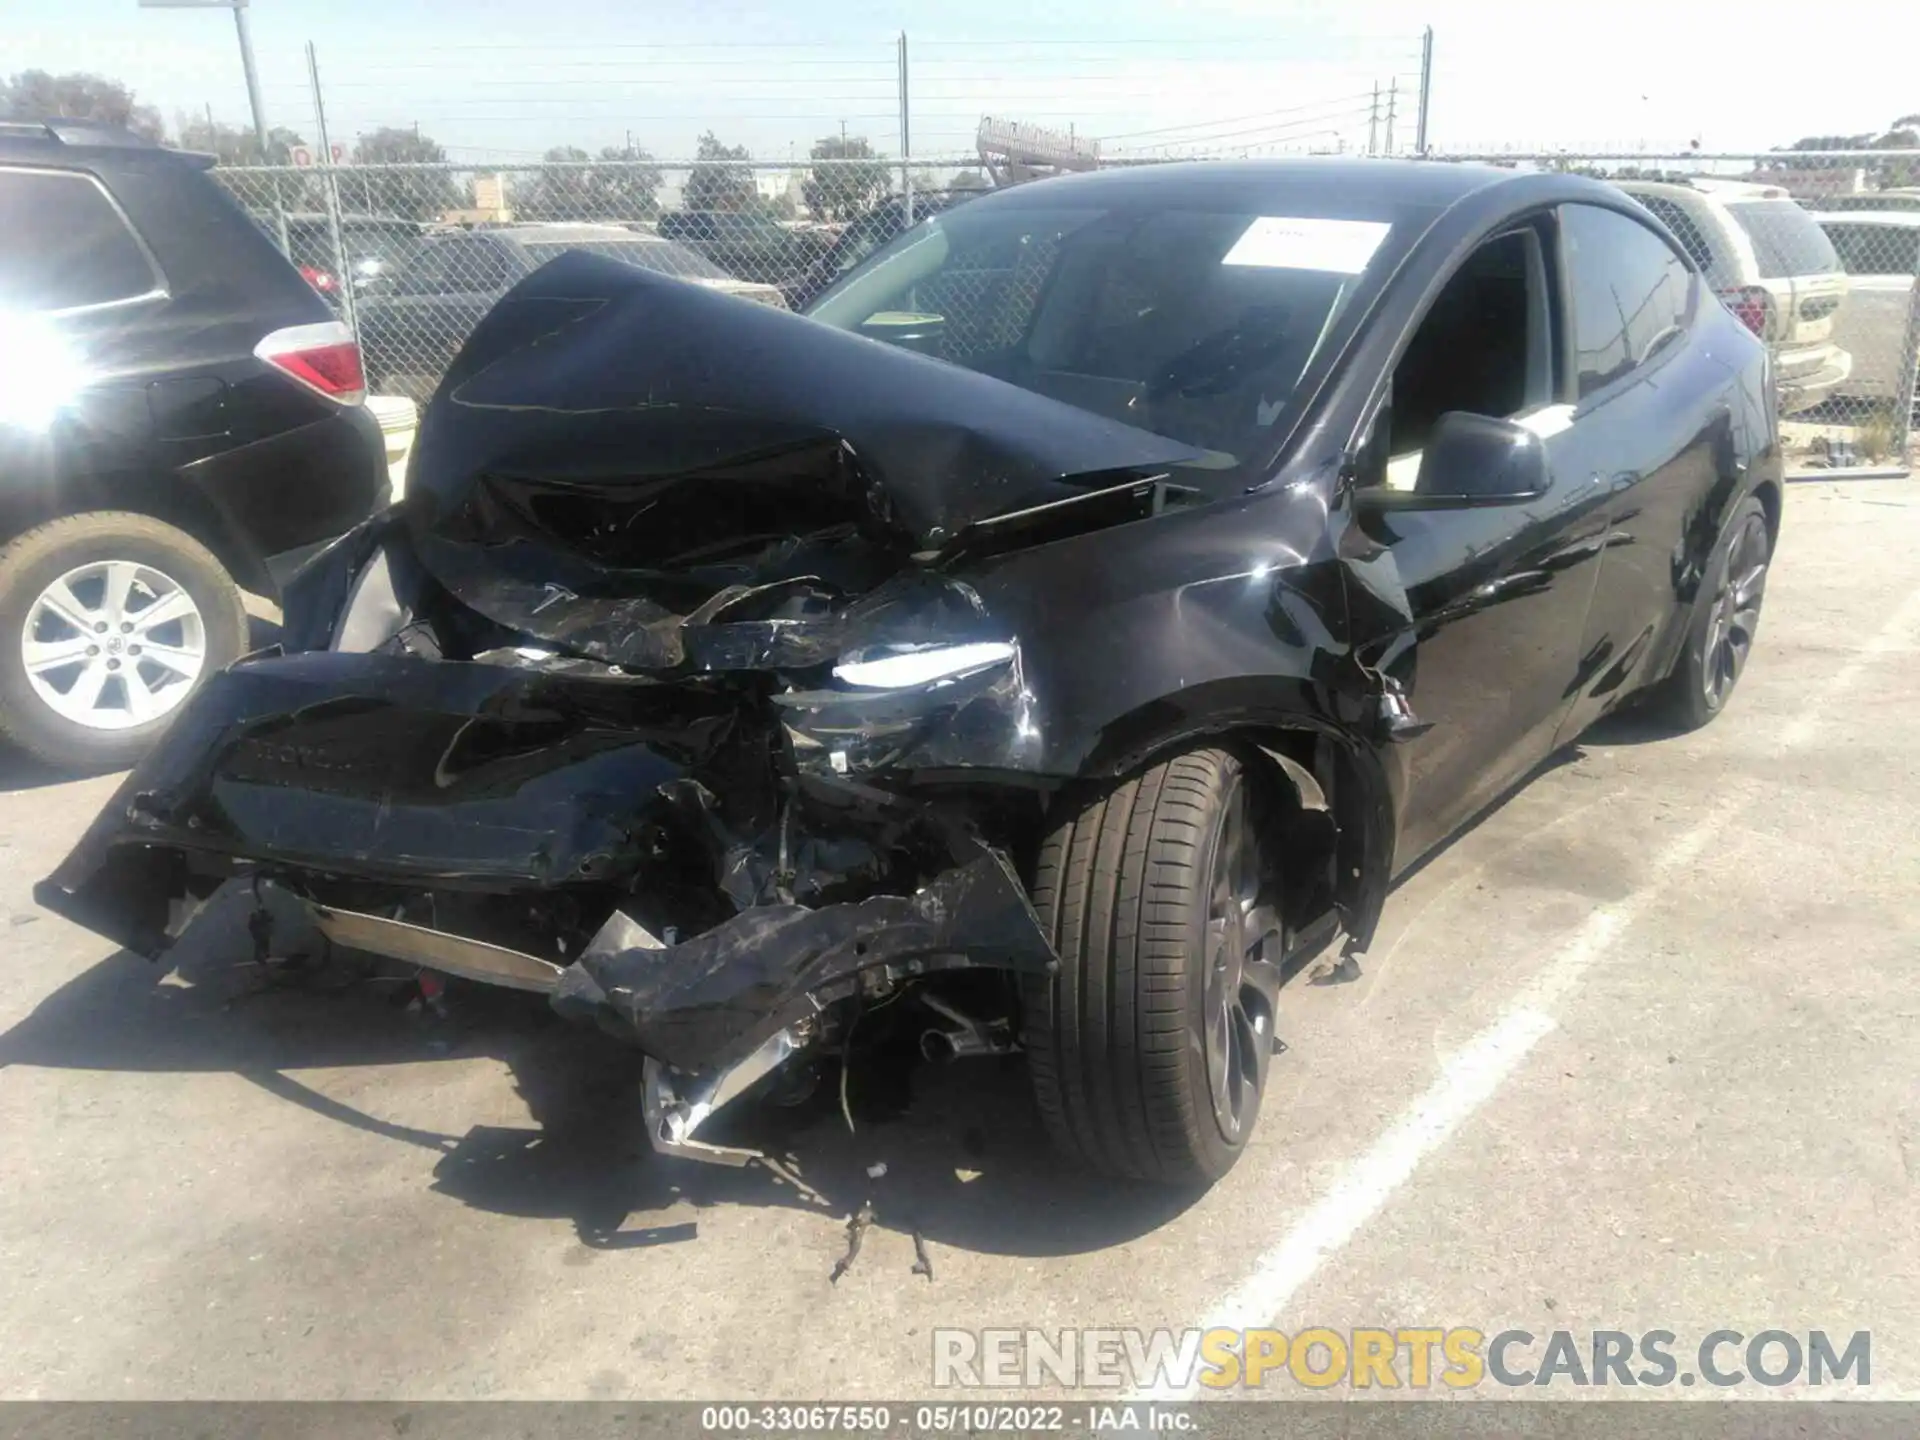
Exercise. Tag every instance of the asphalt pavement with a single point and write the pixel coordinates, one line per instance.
(1635, 1053)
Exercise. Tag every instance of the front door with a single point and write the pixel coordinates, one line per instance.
(1491, 599)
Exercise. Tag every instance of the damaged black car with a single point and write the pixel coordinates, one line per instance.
(1102, 594)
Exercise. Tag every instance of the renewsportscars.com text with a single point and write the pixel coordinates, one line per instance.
(1402, 1357)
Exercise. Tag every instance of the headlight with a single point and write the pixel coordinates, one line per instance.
(903, 669)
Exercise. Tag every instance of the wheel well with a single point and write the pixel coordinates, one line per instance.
(1337, 843)
(155, 496)
(1768, 494)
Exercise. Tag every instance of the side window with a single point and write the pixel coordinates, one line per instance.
(427, 274)
(1484, 347)
(476, 266)
(456, 267)
(1692, 238)
(1632, 294)
(64, 244)
(1875, 249)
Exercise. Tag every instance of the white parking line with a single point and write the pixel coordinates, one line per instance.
(1471, 1075)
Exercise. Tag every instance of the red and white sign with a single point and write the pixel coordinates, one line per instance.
(302, 155)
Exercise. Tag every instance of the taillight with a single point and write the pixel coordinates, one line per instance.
(321, 280)
(1752, 307)
(321, 357)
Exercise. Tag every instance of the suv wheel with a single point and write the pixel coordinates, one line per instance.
(1725, 622)
(1149, 1048)
(108, 622)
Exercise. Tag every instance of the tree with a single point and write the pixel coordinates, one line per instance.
(422, 194)
(624, 186)
(720, 179)
(970, 180)
(1903, 134)
(234, 144)
(851, 184)
(37, 95)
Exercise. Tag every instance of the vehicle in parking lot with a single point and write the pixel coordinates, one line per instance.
(374, 246)
(757, 247)
(414, 320)
(1881, 322)
(1769, 263)
(1223, 539)
(180, 417)
(863, 235)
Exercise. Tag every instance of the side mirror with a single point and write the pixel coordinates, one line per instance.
(1473, 460)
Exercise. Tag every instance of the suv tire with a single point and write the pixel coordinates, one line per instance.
(57, 583)
(1149, 1049)
(1724, 625)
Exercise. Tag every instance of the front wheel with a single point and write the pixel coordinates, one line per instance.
(1725, 623)
(108, 622)
(1149, 1049)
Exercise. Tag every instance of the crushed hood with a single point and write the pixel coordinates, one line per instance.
(615, 451)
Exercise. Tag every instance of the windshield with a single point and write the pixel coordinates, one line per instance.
(661, 255)
(1196, 325)
(1786, 241)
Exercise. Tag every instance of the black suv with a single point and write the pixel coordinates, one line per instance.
(180, 418)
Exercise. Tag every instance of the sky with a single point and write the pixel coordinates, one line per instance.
(506, 79)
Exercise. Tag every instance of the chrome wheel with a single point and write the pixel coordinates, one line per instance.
(1735, 616)
(113, 644)
(1243, 972)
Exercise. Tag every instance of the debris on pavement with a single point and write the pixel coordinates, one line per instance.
(1343, 971)
(857, 1225)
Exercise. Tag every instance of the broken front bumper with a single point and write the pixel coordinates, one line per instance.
(555, 834)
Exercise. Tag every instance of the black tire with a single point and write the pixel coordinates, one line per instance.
(33, 561)
(1724, 625)
(1120, 1042)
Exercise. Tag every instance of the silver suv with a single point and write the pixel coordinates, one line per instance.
(1772, 266)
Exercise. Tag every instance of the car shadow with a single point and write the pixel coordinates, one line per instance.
(20, 771)
(966, 1162)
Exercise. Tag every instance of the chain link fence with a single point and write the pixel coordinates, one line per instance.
(1823, 270)
(413, 255)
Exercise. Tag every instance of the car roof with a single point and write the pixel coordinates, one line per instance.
(561, 233)
(310, 217)
(1903, 219)
(1319, 182)
(87, 143)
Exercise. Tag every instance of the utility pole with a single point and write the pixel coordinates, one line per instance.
(1393, 94)
(906, 143)
(329, 184)
(239, 8)
(1373, 122)
(1426, 91)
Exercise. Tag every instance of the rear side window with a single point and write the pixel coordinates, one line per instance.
(64, 244)
(1674, 216)
(1786, 240)
(1632, 295)
(1876, 249)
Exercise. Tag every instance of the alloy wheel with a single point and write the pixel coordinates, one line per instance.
(113, 644)
(1243, 972)
(1735, 616)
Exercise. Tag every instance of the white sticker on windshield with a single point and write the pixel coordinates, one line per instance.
(1281, 242)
